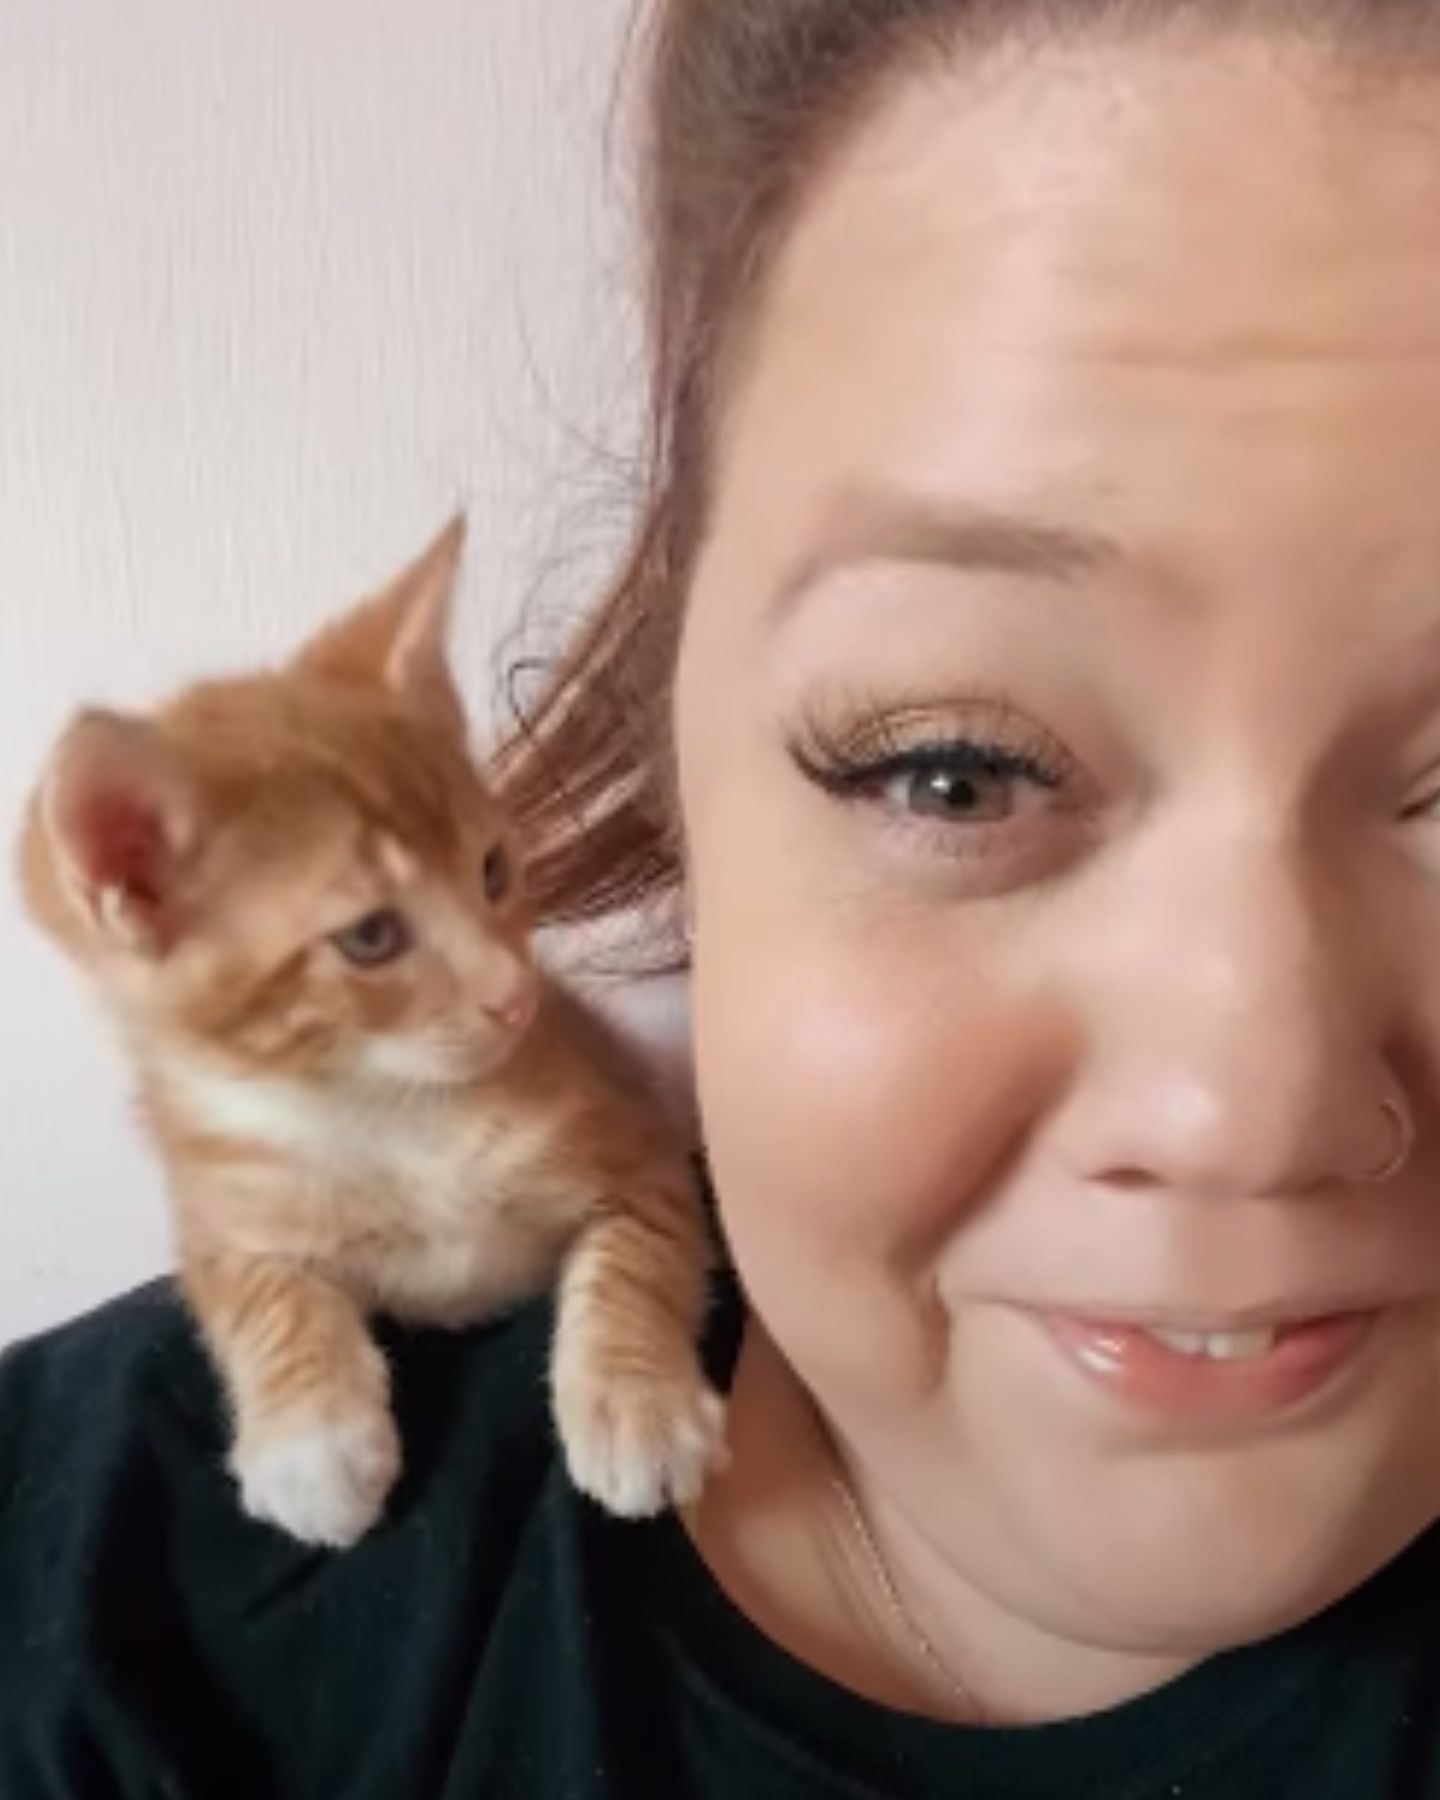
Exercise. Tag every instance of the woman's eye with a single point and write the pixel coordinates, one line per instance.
(380, 937)
(957, 794)
(496, 875)
(961, 784)
(1004, 800)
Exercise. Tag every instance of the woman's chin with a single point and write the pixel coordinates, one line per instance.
(1209, 1553)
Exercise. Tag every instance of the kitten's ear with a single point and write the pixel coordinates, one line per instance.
(397, 639)
(122, 819)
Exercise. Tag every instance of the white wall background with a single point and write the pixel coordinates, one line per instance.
(281, 281)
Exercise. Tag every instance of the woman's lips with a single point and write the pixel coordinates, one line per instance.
(1221, 1376)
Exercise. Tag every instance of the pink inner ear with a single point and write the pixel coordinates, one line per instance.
(123, 846)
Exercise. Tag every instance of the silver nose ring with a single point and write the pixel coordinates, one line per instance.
(1403, 1129)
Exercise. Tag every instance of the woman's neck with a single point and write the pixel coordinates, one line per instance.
(868, 1601)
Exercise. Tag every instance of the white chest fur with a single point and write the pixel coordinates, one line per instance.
(349, 1136)
(442, 1207)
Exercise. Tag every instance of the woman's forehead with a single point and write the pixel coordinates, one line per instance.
(1143, 195)
(1059, 283)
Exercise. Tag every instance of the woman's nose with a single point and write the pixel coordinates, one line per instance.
(1237, 1037)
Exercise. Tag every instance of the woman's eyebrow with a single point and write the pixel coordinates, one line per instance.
(977, 539)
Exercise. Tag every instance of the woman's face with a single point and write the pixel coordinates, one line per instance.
(1059, 731)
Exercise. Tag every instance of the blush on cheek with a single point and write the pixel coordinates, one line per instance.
(855, 1124)
(895, 1109)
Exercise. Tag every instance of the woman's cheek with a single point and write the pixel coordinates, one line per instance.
(859, 1097)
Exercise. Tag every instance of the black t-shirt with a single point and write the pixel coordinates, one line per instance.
(499, 1639)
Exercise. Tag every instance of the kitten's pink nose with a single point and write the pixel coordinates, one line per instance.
(517, 1012)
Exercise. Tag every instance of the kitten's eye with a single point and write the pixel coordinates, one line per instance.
(1425, 811)
(380, 937)
(496, 874)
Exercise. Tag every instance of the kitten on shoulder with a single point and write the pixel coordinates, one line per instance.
(305, 912)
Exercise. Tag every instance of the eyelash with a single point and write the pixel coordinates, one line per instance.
(875, 744)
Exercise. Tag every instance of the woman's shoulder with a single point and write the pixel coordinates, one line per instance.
(132, 1378)
(134, 1589)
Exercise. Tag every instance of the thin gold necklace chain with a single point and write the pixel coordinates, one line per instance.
(865, 1541)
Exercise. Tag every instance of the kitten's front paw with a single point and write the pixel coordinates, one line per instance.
(324, 1484)
(639, 1443)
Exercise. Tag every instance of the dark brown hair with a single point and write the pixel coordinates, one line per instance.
(742, 99)
(739, 96)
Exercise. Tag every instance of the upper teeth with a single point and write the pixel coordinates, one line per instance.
(1220, 1346)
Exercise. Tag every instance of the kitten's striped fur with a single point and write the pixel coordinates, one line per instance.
(433, 1137)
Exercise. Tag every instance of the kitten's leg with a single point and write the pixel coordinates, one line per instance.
(315, 1450)
(640, 1424)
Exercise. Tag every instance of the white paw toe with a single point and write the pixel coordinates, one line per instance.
(639, 1445)
(326, 1485)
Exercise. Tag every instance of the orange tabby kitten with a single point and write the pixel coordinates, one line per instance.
(304, 910)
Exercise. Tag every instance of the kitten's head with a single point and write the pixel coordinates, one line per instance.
(300, 872)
